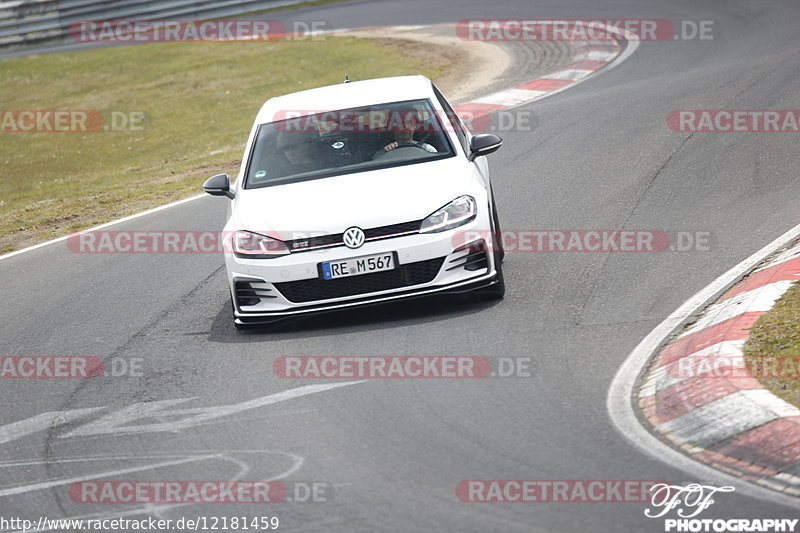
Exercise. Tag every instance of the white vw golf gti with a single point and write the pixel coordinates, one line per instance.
(355, 194)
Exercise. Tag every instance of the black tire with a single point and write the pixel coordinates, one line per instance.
(496, 291)
(497, 234)
(233, 314)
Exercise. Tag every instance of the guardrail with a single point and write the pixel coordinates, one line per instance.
(27, 23)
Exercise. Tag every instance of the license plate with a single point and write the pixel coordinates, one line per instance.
(356, 266)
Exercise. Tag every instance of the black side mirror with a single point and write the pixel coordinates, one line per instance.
(219, 185)
(483, 144)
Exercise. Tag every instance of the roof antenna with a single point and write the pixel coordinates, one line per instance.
(346, 78)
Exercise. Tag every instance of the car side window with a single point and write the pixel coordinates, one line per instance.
(453, 118)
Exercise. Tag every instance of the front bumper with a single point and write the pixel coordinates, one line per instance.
(447, 262)
(459, 288)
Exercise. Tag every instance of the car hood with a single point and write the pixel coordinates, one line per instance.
(365, 199)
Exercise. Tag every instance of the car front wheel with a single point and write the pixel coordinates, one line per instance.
(497, 290)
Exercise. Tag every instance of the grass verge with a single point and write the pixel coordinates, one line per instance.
(772, 351)
(196, 102)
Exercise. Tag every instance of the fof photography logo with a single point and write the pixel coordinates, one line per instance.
(687, 502)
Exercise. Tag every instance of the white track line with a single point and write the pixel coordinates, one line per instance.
(101, 226)
(509, 97)
(631, 45)
(569, 74)
(621, 392)
(595, 55)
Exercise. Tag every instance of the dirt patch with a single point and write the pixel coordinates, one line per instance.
(466, 67)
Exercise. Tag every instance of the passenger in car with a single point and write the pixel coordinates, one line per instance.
(299, 151)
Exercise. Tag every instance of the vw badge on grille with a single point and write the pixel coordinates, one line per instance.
(353, 237)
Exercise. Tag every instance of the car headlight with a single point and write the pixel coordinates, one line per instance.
(255, 246)
(457, 213)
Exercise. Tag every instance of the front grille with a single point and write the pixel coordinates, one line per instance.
(251, 291)
(336, 239)
(387, 231)
(300, 245)
(309, 290)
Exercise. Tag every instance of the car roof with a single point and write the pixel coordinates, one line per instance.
(346, 96)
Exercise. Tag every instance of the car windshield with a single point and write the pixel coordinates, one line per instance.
(298, 148)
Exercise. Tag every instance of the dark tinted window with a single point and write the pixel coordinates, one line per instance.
(345, 141)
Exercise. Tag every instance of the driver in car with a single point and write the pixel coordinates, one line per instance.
(299, 150)
(404, 134)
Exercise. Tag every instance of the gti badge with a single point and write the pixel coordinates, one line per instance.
(353, 237)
